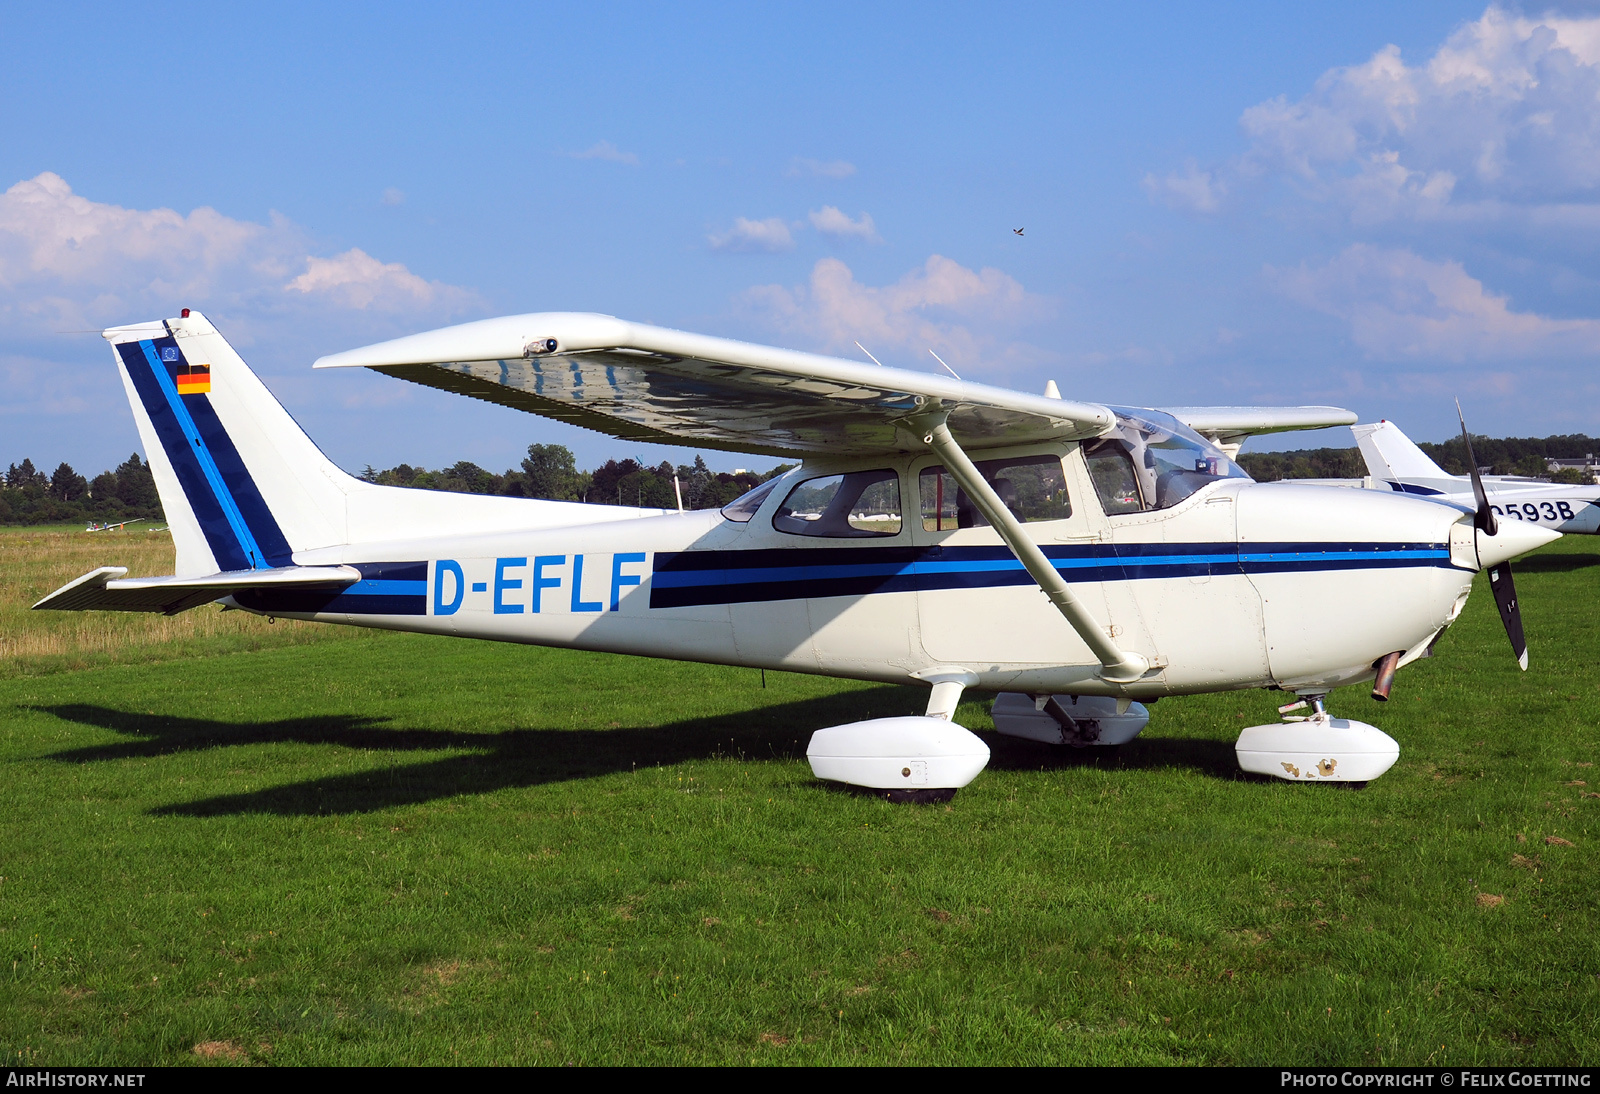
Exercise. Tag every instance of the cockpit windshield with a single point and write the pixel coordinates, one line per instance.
(1150, 460)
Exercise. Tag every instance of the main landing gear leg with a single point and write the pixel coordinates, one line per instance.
(946, 693)
(1316, 747)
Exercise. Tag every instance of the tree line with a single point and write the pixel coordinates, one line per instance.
(550, 472)
(29, 496)
(1503, 456)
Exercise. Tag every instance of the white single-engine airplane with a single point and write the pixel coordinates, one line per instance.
(1076, 557)
(1395, 463)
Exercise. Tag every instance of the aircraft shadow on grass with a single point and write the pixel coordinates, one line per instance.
(1556, 564)
(519, 757)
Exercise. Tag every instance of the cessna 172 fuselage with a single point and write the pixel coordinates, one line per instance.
(1081, 554)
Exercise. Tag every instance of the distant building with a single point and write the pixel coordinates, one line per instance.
(1588, 465)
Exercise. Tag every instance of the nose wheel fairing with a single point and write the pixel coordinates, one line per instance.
(1320, 748)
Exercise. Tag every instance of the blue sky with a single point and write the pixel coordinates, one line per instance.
(1377, 206)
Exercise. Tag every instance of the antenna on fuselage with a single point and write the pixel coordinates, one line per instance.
(947, 368)
(871, 358)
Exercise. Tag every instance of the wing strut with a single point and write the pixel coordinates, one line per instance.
(1116, 665)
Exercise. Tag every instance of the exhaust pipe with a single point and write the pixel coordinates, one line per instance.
(1386, 666)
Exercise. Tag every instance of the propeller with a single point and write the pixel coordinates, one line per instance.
(1500, 579)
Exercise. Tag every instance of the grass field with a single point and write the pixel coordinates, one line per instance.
(396, 849)
(36, 561)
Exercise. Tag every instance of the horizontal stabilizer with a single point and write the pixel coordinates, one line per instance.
(106, 589)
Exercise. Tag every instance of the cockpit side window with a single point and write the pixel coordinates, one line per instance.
(1150, 460)
(1033, 488)
(1111, 470)
(858, 505)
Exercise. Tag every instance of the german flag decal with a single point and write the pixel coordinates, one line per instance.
(194, 379)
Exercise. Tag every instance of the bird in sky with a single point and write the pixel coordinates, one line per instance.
(1017, 230)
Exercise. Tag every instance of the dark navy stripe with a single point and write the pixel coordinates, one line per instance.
(394, 571)
(247, 536)
(235, 476)
(1412, 488)
(166, 376)
(726, 577)
(319, 602)
(378, 605)
(385, 588)
(208, 510)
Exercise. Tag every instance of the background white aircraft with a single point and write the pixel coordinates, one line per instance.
(1394, 461)
(890, 553)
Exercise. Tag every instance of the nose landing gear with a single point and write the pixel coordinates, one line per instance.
(1316, 747)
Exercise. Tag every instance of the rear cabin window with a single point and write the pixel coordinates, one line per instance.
(859, 505)
(1033, 488)
(743, 507)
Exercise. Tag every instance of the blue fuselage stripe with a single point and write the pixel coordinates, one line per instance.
(1412, 556)
(723, 577)
(386, 588)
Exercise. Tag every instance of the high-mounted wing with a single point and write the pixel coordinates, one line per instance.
(1229, 426)
(647, 383)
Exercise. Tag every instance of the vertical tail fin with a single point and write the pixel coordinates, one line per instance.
(243, 487)
(1391, 456)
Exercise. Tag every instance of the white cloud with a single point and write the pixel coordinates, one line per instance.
(49, 233)
(829, 169)
(605, 150)
(941, 305)
(392, 195)
(770, 235)
(1399, 305)
(67, 262)
(356, 280)
(1194, 190)
(1500, 122)
(830, 221)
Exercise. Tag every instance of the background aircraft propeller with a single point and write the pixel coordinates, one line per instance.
(1500, 579)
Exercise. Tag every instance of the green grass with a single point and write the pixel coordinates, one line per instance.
(35, 561)
(408, 850)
